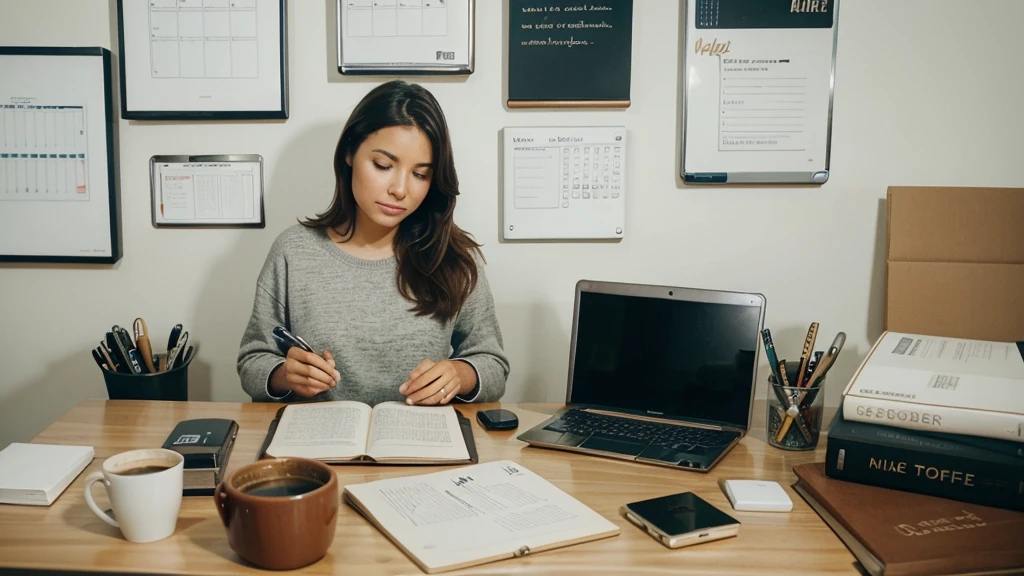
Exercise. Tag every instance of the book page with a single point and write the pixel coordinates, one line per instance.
(952, 372)
(496, 509)
(324, 430)
(399, 431)
(975, 357)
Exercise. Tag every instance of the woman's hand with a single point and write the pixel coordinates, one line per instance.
(305, 373)
(433, 383)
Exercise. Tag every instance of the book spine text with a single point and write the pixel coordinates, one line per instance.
(946, 476)
(930, 418)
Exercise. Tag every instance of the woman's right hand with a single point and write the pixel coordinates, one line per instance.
(305, 373)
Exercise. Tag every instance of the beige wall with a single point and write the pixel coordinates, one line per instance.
(927, 93)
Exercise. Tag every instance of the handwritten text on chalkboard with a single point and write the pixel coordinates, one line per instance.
(565, 26)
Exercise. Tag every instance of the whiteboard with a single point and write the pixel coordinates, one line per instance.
(58, 201)
(210, 190)
(758, 85)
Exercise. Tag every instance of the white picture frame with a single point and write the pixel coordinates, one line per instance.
(405, 37)
(58, 159)
(203, 59)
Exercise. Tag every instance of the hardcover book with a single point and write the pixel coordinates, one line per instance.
(896, 533)
(946, 465)
(938, 384)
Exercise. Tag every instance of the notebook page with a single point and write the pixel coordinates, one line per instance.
(498, 509)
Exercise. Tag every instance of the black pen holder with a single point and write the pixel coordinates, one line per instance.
(169, 385)
(794, 413)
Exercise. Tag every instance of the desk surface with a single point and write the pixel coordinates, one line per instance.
(68, 536)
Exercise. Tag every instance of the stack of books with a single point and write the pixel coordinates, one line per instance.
(927, 425)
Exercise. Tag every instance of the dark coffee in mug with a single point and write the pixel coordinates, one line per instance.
(140, 470)
(289, 486)
(290, 502)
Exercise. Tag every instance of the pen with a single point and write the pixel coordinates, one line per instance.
(98, 358)
(812, 333)
(143, 344)
(172, 340)
(812, 363)
(102, 349)
(178, 350)
(769, 351)
(285, 340)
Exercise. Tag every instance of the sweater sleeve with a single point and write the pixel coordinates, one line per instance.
(258, 354)
(476, 339)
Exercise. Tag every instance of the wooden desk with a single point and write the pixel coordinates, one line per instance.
(67, 536)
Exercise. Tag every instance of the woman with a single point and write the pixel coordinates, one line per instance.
(383, 282)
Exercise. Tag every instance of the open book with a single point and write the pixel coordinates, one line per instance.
(390, 432)
(497, 510)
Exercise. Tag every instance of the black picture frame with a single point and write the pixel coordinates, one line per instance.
(279, 113)
(109, 148)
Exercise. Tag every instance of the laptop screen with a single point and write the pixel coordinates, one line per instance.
(675, 357)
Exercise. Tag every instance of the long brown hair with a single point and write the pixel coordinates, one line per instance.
(436, 266)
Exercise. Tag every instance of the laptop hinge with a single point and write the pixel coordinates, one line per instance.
(654, 419)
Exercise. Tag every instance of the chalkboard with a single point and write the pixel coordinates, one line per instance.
(569, 53)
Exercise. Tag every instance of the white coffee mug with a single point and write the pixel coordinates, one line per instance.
(144, 487)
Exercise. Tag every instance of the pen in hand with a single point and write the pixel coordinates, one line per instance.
(305, 372)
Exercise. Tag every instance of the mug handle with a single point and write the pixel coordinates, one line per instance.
(220, 500)
(89, 481)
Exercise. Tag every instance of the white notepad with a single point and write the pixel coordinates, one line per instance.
(36, 474)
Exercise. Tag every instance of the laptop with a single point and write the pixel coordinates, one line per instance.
(657, 374)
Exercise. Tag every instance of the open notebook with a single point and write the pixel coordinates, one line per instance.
(497, 510)
(389, 433)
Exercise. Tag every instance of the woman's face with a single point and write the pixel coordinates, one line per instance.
(391, 172)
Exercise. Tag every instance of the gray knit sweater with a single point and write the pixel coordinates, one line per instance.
(352, 307)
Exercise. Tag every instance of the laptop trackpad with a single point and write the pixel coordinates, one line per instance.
(615, 444)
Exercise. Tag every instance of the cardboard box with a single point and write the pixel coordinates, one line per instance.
(955, 262)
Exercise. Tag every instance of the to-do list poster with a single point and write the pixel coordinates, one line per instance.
(569, 53)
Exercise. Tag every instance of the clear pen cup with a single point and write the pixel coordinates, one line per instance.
(794, 414)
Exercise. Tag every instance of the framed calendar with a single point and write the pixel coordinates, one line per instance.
(405, 36)
(58, 160)
(203, 59)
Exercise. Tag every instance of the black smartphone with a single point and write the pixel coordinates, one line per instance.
(499, 419)
(681, 520)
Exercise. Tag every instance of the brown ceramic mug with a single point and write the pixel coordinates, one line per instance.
(279, 513)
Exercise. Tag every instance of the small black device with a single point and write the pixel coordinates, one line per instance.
(499, 419)
(681, 520)
(205, 444)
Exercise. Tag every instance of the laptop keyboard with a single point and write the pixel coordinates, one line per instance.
(689, 439)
